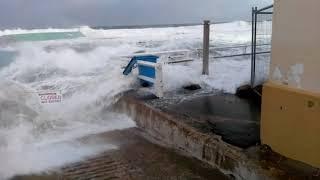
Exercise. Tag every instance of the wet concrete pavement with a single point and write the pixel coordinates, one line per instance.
(236, 120)
(136, 158)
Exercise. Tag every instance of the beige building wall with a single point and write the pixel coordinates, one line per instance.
(296, 44)
(290, 122)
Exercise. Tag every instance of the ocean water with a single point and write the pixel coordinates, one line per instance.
(87, 71)
(6, 57)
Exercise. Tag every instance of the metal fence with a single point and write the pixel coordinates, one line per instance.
(261, 44)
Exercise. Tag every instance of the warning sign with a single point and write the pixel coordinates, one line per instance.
(50, 97)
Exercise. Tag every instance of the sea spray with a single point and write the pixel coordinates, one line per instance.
(37, 137)
(87, 71)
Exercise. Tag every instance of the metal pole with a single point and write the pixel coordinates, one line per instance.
(252, 46)
(206, 44)
(255, 45)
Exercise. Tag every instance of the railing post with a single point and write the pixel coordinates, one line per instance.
(206, 44)
(159, 86)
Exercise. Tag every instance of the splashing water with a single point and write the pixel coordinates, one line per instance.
(36, 137)
(88, 72)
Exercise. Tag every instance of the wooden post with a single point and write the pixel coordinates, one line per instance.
(206, 44)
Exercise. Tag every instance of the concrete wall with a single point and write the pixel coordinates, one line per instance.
(296, 44)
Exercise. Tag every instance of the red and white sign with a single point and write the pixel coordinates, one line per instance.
(50, 98)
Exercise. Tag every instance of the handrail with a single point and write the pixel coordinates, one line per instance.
(244, 54)
(232, 47)
(157, 53)
(263, 9)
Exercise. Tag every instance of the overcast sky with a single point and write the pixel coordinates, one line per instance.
(70, 13)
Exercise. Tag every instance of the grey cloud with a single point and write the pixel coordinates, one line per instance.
(68, 13)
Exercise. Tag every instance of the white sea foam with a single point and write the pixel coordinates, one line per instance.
(24, 31)
(88, 72)
(36, 137)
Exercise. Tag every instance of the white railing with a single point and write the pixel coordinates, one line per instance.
(170, 57)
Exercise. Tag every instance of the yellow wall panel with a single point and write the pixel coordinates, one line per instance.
(290, 122)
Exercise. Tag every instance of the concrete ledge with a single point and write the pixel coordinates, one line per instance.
(171, 130)
(175, 134)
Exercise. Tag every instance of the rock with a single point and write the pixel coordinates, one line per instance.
(192, 87)
(247, 92)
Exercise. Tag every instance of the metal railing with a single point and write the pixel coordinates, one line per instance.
(261, 34)
(246, 50)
